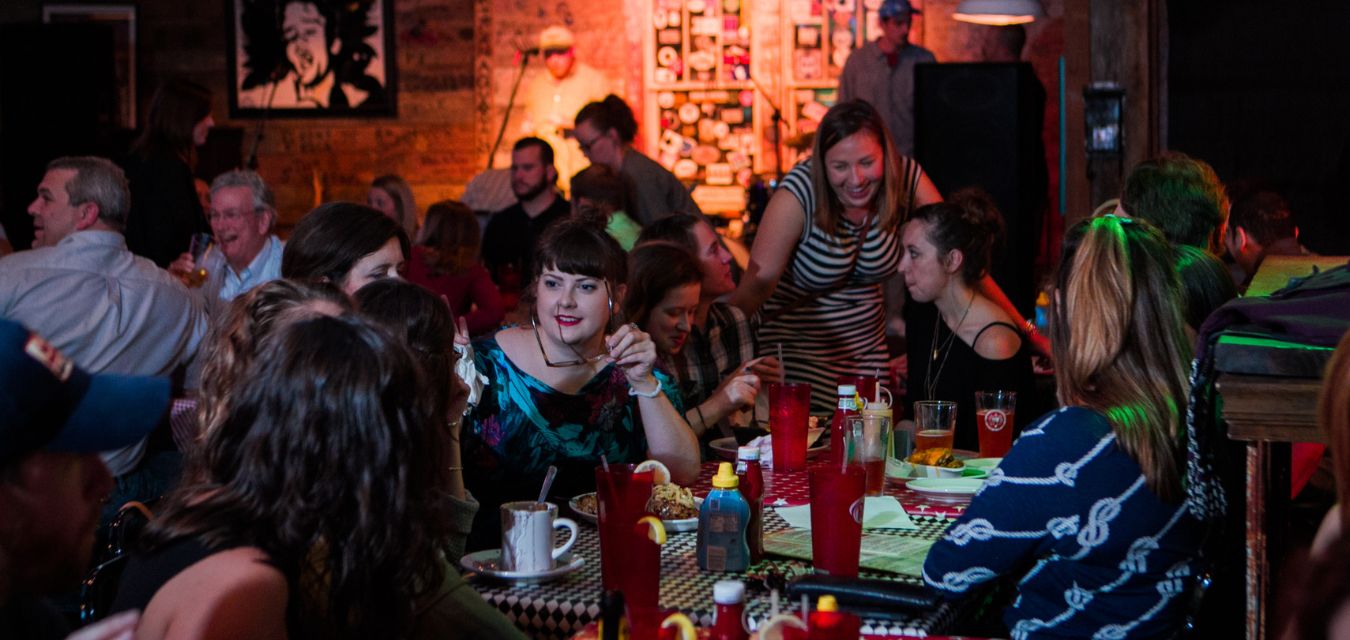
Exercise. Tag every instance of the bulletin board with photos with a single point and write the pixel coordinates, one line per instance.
(818, 37)
(706, 120)
(701, 116)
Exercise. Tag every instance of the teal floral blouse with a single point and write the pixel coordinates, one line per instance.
(521, 426)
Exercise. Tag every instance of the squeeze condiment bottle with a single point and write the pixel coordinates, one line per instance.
(846, 406)
(827, 622)
(721, 525)
(729, 619)
(752, 489)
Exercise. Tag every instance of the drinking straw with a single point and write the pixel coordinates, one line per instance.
(604, 463)
(876, 391)
(782, 372)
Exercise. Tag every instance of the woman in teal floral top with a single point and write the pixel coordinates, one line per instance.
(571, 386)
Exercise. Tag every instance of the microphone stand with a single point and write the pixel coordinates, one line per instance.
(777, 127)
(510, 103)
(252, 162)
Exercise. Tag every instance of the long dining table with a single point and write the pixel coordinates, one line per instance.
(561, 608)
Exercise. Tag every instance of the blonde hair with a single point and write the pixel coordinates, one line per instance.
(1333, 413)
(1119, 343)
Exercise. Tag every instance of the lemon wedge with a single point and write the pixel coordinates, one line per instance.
(660, 473)
(772, 629)
(686, 628)
(656, 532)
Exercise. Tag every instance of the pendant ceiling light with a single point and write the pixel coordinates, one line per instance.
(999, 12)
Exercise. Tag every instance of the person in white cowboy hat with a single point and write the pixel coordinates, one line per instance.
(882, 73)
(553, 99)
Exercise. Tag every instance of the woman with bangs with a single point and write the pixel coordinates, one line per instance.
(829, 239)
(1087, 511)
(573, 386)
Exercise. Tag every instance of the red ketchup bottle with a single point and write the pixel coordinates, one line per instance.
(752, 489)
(845, 407)
(728, 621)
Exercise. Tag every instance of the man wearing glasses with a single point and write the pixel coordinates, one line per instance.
(244, 252)
(552, 99)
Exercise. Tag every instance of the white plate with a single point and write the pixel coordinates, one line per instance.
(672, 526)
(488, 561)
(726, 447)
(949, 488)
(984, 463)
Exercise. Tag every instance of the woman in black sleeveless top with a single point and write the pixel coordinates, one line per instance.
(958, 340)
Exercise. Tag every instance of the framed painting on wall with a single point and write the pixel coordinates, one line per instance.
(311, 58)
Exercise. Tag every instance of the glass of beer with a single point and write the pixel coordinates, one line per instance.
(934, 424)
(198, 247)
(994, 413)
(869, 439)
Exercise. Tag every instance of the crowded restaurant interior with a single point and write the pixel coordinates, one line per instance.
(674, 319)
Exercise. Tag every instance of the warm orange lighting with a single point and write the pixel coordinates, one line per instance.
(999, 12)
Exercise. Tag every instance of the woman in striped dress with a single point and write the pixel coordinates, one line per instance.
(815, 286)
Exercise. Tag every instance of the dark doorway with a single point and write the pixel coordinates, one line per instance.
(1261, 91)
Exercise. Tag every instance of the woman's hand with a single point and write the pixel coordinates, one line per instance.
(739, 390)
(768, 368)
(633, 351)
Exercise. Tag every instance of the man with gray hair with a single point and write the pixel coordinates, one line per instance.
(107, 309)
(245, 252)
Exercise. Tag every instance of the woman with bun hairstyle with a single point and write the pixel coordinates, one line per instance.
(605, 131)
(958, 340)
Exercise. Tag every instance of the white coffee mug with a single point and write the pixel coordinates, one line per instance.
(527, 536)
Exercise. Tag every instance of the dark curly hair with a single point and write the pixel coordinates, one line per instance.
(249, 320)
(330, 462)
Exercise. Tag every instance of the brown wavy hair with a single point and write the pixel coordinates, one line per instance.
(1119, 345)
(330, 462)
(451, 230)
(250, 319)
(841, 121)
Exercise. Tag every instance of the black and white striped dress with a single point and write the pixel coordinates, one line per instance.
(841, 333)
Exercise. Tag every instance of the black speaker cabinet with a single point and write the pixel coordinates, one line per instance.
(979, 125)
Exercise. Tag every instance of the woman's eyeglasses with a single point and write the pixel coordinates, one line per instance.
(581, 359)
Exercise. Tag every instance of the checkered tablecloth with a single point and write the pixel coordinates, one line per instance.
(561, 608)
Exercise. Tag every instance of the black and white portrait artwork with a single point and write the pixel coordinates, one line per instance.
(312, 58)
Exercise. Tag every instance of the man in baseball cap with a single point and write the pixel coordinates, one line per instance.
(54, 419)
(882, 73)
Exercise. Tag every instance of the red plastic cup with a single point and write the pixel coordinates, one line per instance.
(836, 518)
(789, 408)
(995, 412)
(621, 497)
(644, 623)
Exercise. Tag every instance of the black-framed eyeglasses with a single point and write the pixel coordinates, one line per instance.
(585, 146)
(549, 53)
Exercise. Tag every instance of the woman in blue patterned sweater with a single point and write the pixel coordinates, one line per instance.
(1088, 506)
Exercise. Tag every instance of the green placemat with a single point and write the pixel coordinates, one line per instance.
(890, 553)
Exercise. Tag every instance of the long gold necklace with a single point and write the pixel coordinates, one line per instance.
(930, 379)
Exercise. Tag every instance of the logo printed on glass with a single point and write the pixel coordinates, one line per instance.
(995, 420)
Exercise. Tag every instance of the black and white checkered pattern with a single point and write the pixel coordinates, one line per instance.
(560, 608)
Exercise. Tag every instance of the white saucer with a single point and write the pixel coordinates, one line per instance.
(947, 488)
(486, 562)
